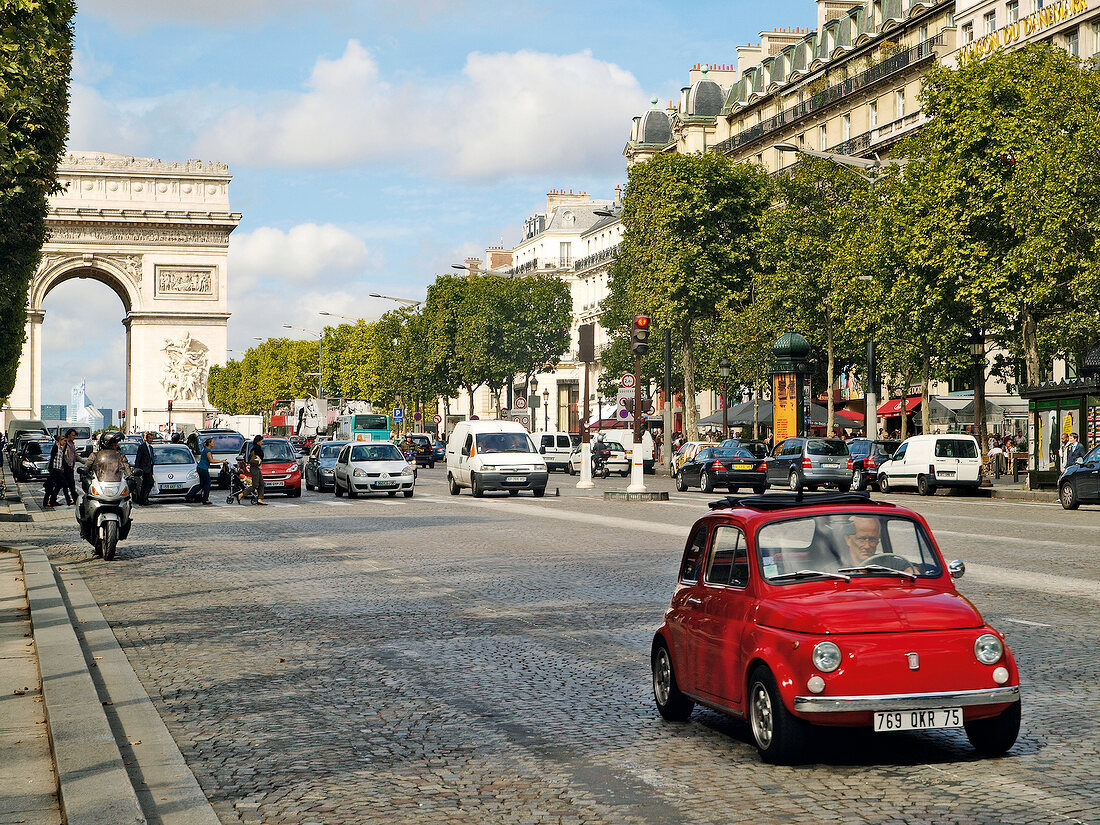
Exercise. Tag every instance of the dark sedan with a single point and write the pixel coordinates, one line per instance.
(714, 467)
(318, 465)
(867, 455)
(418, 449)
(32, 461)
(1080, 482)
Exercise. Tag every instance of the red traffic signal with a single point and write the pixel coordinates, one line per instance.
(639, 336)
(169, 405)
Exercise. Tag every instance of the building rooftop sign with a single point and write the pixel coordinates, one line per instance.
(1022, 29)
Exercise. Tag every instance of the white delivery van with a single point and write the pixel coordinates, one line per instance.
(494, 455)
(555, 449)
(928, 462)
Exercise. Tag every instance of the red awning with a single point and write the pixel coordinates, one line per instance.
(850, 414)
(893, 406)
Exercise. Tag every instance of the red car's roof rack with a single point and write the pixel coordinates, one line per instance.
(783, 501)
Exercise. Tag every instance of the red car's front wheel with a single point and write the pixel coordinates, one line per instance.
(779, 735)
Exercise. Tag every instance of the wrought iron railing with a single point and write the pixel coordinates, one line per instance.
(826, 97)
(596, 258)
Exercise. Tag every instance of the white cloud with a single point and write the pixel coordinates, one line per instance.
(299, 256)
(508, 113)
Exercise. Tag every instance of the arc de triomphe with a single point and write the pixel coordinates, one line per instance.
(157, 234)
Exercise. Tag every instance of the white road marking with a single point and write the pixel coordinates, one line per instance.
(336, 503)
(1030, 624)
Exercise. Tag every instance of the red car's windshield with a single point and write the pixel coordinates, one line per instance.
(844, 544)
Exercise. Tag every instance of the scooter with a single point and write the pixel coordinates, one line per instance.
(600, 468)
(103, 508)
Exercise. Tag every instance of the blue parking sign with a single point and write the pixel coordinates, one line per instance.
(398, 415)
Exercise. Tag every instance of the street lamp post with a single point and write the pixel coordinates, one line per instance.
(532, 389)
(977, 350)
(546, 411)
(724, 370)
(407, 301)
(347, 317)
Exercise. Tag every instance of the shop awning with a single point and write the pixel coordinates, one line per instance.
(893, 406)
(851, 415)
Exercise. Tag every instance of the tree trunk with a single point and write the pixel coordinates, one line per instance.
(1030, 336)
(907, 380)
(691, 410)
(925, 413)
(756, 411)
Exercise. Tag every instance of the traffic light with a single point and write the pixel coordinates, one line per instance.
(169, 405)
(639, 336)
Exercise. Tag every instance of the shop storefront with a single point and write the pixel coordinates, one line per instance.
(1056, 409)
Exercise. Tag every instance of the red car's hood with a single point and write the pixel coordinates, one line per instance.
(860, 609)
(278, 466)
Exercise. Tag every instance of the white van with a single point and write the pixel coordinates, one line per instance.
(555, 449)
(494, 455)
(929, 462)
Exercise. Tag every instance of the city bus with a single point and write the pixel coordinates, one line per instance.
(363, 427)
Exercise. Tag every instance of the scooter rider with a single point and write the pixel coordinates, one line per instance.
(106, 448)
(600, 453)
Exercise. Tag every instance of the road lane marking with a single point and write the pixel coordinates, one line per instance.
(1029, 624)
(1030, 580)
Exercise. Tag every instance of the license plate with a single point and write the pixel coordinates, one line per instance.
(172, 486)
(385, 484)
(742, 466)
(273, 483)
(891, 720)
(946, 473)
(515, 479)
(829, 464)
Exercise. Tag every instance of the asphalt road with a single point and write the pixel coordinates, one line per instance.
(456, 660)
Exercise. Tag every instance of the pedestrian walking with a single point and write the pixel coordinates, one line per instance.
(55, 479)
(255, 466)
(70, 466)
(143, 463)
(201, 491)
(1074, 451)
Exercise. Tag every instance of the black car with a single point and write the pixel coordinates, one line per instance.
(227, 444)
(758, 448)
(32, 461)
(419, 448)
(730, 468)
(867, 455)
(1080, 481)
(317, 471)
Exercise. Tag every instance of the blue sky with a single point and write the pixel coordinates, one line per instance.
(373, 142)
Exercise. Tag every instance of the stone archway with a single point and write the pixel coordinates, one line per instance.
(158, 235)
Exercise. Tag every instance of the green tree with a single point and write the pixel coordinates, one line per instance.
(35, 63)
(1005, 196)
(689, 228)
(538, 320)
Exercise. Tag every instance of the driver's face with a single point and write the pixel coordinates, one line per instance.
(863, 543)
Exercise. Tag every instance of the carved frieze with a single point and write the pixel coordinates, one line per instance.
(188, 281)
(191, 236)
(185, 366)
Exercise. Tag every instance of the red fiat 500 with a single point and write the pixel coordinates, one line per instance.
(799, 610)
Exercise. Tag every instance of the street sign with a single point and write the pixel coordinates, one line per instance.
(627, 380)
(438, 419)
(624, 415)
(398, 415)
(522, 418)
(474, 418)
(417, 417)
(520, 402)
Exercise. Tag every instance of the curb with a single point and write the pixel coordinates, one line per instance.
(93, 787)
(16, 510)
(117, 764)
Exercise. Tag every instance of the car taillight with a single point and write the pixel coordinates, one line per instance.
(807, 464)
(763, 468)
(717, 465)
(849, 463)
(869, 462)
(932, 469)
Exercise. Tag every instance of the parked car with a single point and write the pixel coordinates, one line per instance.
(758, 448)
(829, 610)
(867, 455)
(439, 450)
(418, 446)
(280, 468)
(32, 461)
(372, 467)
(298, 443)
(1080, 482)
(317, 471)
(494, 455)
(227, 446)
(720, 467)
(175, 470)
(617, 462)
(556, 449)
(928, 462)
(688, 450)
(808, 463)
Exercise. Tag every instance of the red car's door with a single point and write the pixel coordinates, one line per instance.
(686, 609)
(724, 612)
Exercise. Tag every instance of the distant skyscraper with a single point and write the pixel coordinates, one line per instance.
(53, 412)
(108, 416)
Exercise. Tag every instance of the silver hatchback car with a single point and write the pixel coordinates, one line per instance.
(807, 463)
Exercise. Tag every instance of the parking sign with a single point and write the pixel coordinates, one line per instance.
(398, 415)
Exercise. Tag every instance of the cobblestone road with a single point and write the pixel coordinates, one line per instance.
(460, 661)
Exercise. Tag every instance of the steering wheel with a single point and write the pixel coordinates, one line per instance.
(891, 560)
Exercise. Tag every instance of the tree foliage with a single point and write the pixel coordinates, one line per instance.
(35, 63)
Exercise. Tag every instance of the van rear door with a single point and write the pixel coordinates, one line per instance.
(956, 459)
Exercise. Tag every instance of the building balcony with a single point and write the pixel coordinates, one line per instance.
(595, 259)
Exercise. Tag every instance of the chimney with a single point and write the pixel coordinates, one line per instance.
(473, 266)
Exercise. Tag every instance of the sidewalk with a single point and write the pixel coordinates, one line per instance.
(80, 741)
(11, 504)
